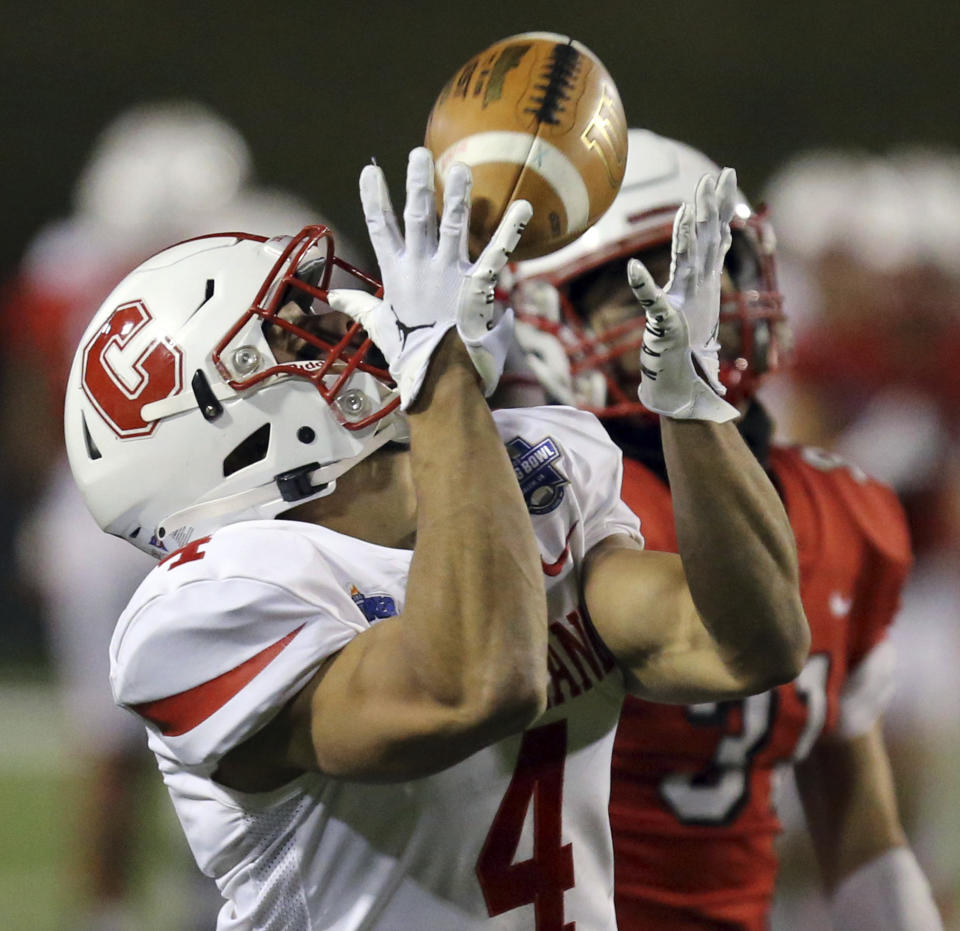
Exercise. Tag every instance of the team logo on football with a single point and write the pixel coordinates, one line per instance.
(606, 135)
(373, 607)
(541, 482)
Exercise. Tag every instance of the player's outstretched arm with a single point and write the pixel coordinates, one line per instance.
(464, 664)
(870, 874)
(726, 619)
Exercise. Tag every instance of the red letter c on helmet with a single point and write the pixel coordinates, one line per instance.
(126, 367)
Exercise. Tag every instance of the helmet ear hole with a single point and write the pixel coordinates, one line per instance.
(253, 449)
(92, 450)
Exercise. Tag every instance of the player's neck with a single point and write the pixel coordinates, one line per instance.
(374, 501)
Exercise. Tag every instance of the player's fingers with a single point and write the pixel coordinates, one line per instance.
(708, 227)
(378, 212)
(705, 199)
(682, 253)
(727, 194)
(485, 271)
(358, 305)
(505, 239)
(727, 198)
(420, 211)
(455, 220)
(645, 290)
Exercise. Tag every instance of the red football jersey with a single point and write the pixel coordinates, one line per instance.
(691, 800)
(67, 272)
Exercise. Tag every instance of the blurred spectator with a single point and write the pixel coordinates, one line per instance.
(869, 250)
(159, 173)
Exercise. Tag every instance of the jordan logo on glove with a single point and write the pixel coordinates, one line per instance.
(406, 330)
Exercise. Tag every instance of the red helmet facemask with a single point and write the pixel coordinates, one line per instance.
(327, 354)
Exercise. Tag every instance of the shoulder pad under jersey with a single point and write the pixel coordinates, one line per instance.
(224, 632)
(871, 505)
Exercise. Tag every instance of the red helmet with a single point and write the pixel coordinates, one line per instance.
(579, 357)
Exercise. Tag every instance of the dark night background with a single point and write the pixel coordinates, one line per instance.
(319, 87)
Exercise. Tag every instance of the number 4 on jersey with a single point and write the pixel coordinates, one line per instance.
(541, 880)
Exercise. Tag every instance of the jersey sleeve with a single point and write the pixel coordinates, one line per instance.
(856, 522)
(600, 474)
(593, 467)
(867, 691)
(871, 660)
(212, 646)
(887, 563)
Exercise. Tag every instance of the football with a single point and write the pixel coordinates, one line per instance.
(535, 116)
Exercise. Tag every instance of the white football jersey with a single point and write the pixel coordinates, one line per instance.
(225, 631)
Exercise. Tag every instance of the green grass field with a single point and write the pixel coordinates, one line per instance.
(39, 788)
(32, 891)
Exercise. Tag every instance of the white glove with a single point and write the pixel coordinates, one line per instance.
(679, 356)
(429, 283)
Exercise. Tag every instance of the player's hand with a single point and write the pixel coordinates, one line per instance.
(680, 361)
(429, 283)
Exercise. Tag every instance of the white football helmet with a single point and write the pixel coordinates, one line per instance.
(159, 170)
(182, 415)
(577, 364)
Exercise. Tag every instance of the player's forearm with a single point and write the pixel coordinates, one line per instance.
(849, 801)
(475, 600)
(738, 551)
(871, 876)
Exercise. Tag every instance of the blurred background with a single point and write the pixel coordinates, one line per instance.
(843, 116)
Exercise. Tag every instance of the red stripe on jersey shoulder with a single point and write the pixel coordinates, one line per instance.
(182, 712)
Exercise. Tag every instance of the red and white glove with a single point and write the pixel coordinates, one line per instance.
(429, 283)
(679, 356)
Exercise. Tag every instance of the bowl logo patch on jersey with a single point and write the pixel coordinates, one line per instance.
(541, 482)
(374, 607)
